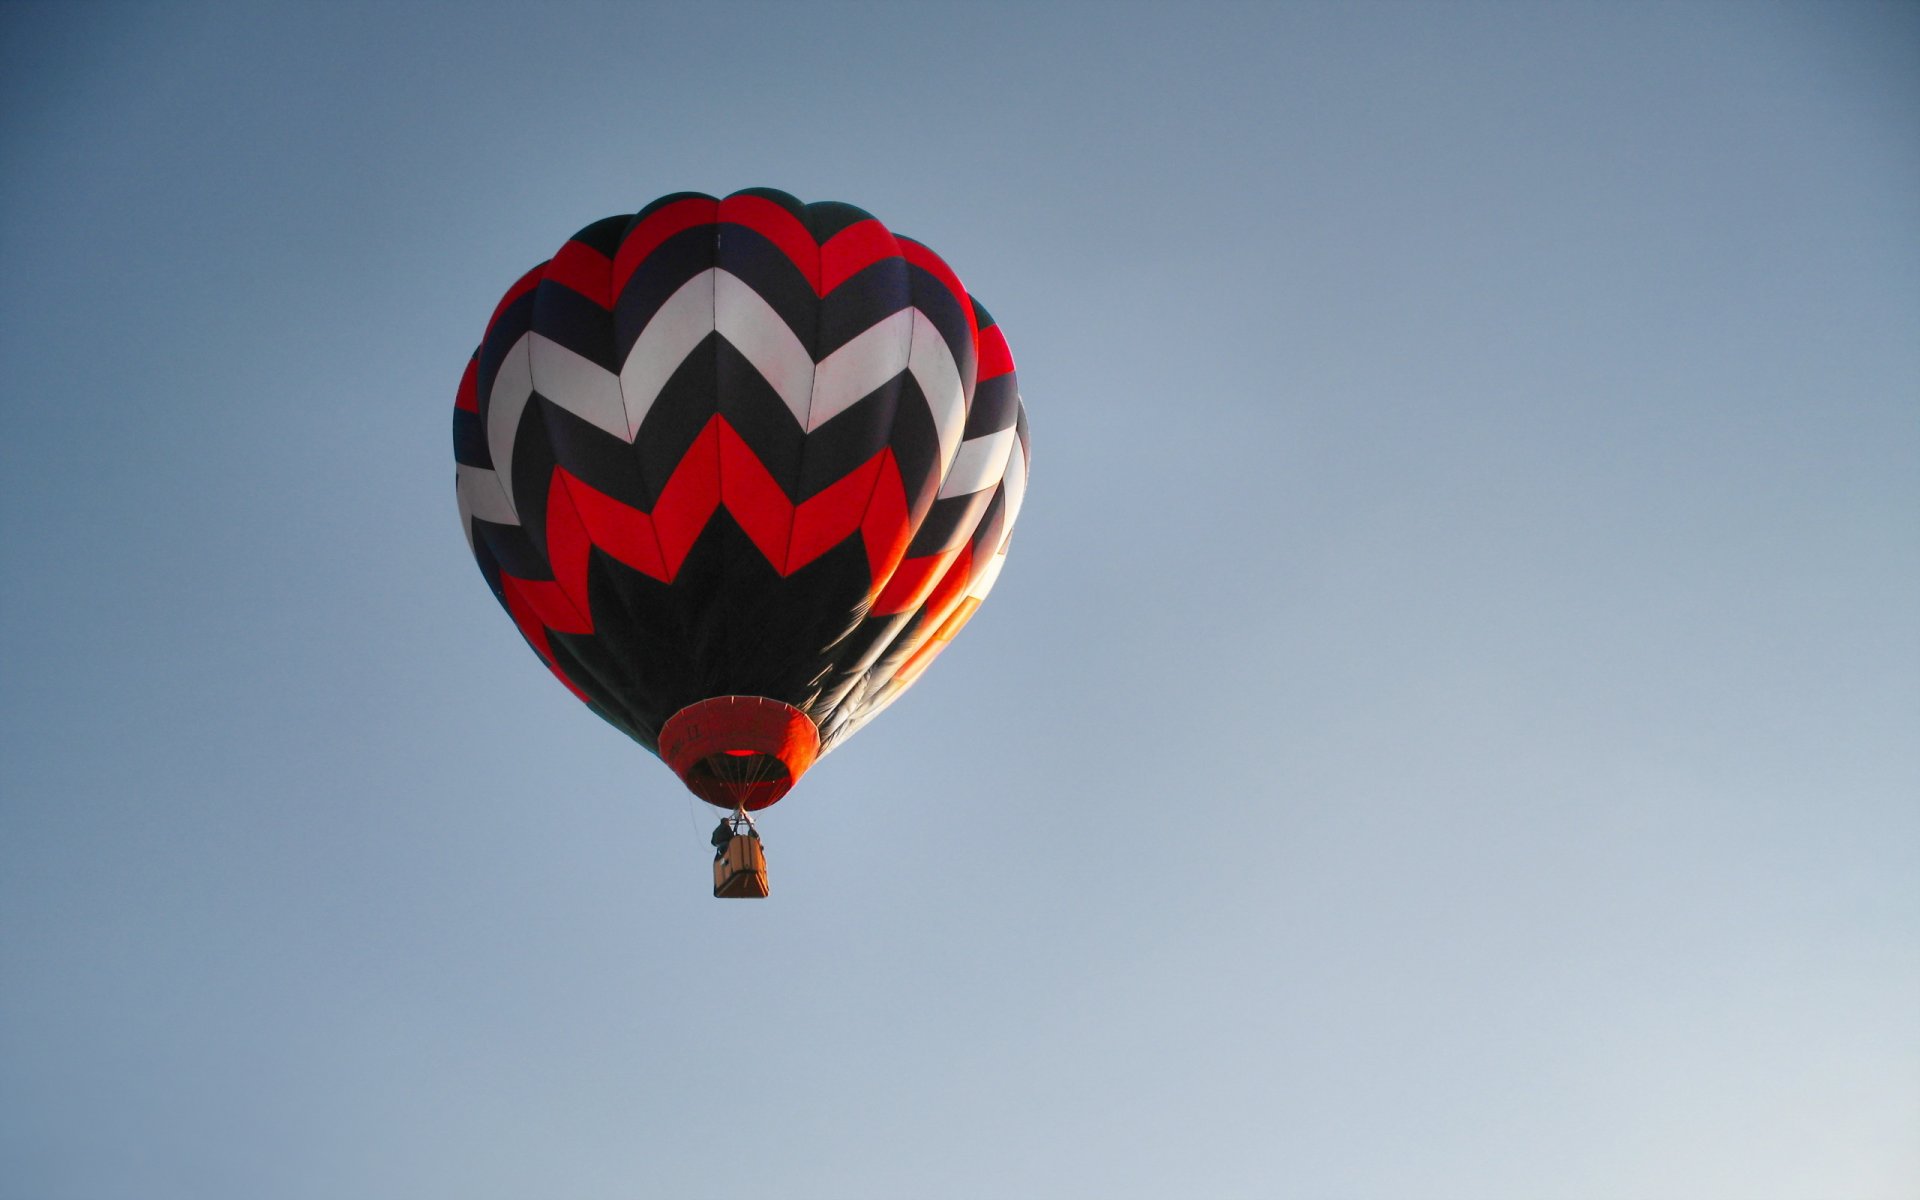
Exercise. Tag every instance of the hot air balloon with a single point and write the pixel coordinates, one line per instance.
(738, 469)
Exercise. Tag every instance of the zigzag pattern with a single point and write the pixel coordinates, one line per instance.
(740, 446)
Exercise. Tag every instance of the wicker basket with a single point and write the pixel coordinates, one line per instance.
(742, 870)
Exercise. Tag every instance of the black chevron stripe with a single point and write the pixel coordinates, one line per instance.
(564, 316)
(759, 415)
(470, 440)
(604, 236)
(507, 329)
(849, 439)
(508, 549)
(659, 275)
(871, 690)
(992, 527)
(949, 522)
(529, 475)
(656, 205)
(863, 300)
(915, 443)
(854, 659)
(605, 463)
(608, 682)
(729, 624)
(828, 217)
(793, 204)
(943, 309)
(996, 405)
(748, 255)
(484, 558)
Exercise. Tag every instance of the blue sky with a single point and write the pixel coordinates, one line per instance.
(1447, 728)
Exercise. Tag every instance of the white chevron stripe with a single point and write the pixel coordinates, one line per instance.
(939, 377)
(1016, 485)
(902, 341)
(592, 392)
(663, 345)
(756, 331)
(505, 403)
(482, 495)
(860, 367)
(981, 463)
(979, 588)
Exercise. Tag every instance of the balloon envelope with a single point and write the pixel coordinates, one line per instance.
(738, 469)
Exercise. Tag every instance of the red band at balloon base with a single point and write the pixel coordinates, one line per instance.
(701, 741)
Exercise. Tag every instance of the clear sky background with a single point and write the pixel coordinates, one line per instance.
(1450, 726)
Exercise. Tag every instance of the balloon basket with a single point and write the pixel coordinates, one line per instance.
(741, 871)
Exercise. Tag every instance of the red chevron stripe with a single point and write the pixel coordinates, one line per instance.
(995, 358)
(952, 586)
(580, 517)
(662, 223)
(825, 267)
(753, 496)
(820, 522)
(528, 621)
(521, 287)
(585, 270)
(912, 582)
(719, 468)
(887, 528)
(687, 501)
(468, 397)
(627, 534)
(853, 250)
(932, 263)
(548, 603)
(778, 226)
(568, 549)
